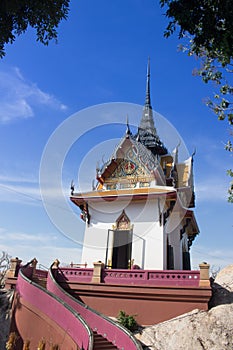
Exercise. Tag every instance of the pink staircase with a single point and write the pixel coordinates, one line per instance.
(62, 316)
(37, 314)
(101, 343)
(107, 333)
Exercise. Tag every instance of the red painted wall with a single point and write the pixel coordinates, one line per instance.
(151, 304)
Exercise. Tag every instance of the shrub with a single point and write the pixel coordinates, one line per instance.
(128, 321)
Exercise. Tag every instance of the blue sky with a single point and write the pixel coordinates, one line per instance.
(101, 57)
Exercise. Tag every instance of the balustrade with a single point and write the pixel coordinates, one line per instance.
(146, 277)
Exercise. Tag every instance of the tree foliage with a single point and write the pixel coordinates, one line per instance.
(207, 28)
(208, 21)
(42, 15)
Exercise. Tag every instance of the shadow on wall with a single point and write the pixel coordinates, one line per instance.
(65, 283)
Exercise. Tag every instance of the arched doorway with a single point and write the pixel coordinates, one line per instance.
(185, 253)
(170, 256)
(121, 243)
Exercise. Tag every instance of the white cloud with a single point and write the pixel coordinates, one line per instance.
(18, 178)
(24, 194)
(25, 189)
(31, 194)
(26, 238)
(44, 247)
(19, 97)
(212, 188)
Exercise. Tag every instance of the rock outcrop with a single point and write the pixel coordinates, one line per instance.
(5, 316)
(222, 287)
(198, 330)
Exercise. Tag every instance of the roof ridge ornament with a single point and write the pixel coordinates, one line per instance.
(128, 132)
(148, 100)
(147, 133)
(147, 120)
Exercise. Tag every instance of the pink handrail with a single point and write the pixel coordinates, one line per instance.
(56, 309)
(104, 326)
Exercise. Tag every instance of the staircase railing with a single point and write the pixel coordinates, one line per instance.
(112, 331)
(55, 309)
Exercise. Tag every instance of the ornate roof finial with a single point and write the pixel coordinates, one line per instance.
(147, 133)
(128, 132)
(147, 102)
(72, 187)
(147, 121)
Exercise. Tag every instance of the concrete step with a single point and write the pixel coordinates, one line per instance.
(101, 343)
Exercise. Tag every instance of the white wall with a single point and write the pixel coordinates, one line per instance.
(147, 245)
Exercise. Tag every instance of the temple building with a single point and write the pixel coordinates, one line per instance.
(140, 214)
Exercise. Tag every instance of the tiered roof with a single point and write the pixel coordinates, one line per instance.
(141, 167)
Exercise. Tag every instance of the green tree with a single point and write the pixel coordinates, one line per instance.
(206, 26)
(42, 15)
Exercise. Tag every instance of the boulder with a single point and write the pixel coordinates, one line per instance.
(5, 316)
(198, 329)
(222, 287)
(208, 330)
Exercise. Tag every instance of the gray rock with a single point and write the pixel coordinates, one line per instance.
(222, 287)
(5, 316)
(196, 330)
